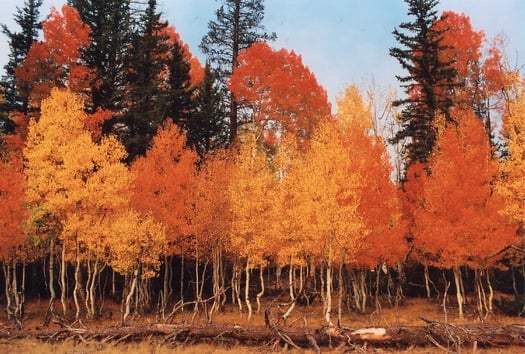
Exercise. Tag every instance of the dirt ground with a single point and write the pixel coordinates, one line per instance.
(409, 314)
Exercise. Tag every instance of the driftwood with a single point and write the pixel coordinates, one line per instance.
(445, 336)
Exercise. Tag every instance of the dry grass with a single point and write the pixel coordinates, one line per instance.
(409, 314)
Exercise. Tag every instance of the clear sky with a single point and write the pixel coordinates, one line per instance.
(341, 41)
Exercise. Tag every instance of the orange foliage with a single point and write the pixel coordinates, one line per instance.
(479, 76)
(12, 211)
(211, 211)
(56, 61)
(459, 222)
(463, 51)
(385, 241)
(162, 182)
(282, 93)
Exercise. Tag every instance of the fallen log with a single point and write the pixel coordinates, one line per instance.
(450, 337)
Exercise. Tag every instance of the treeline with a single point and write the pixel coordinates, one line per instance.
(129, 169)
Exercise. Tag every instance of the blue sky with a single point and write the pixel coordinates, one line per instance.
(341, 41)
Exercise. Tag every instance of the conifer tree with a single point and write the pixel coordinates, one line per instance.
(27, 18)
(430, 80)
(207, 129)
(111, 26)
(237, 27)
(145, 99)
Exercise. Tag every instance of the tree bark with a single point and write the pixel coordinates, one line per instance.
(63, 284)
(459, 293)
(260, 293)
(247, 289)
(328, 295)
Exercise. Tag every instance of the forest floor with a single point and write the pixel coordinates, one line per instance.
(414, 312)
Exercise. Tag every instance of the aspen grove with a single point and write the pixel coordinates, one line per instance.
(150, 200)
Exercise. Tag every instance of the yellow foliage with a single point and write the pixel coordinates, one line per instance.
(512, 183)
(79, 182)
(250, 184)
(352, 110)
(327, 187)
(136, 240)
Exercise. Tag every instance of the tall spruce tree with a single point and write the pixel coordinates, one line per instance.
(236, 27)
(28, 19)
(112, 27)
(180, 91)
(146, 102)
(429, 84)
(207, 130)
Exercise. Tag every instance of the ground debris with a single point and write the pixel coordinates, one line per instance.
(434, 333)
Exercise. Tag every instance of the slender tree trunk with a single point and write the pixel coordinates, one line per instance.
(165, 285)
(445, 296)
(182, 281)
(77, 282)
(357, 289)
(51, 280)
(363, 289)
(22, 292)
(278, 272)
(237, 287)
(340, 298)
(216, 278)
(63, 283)
(427, 283)
(197, 287)
(6, 266)
(247, 289)
(260, 293)
(377, 290)
(91, 291)
(459, 294)
(328, 305)
(87, 300)
(129, 296)
(323, 287)
(291, 291)
(491, 293)
(291, 282)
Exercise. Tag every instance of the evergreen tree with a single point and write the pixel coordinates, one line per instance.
(179, 95)
(28, 19)
(112, 27)
(429, 83)
(207, 130)
(146, 103)
(237, 27)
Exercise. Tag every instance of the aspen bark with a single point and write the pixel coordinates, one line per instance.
(260, 293)
(63, 284)
(459, 294)
(247, 289)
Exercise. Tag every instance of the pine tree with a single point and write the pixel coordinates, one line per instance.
(111, 26)
(430, 80)
(28, 19)
(207, 129)
(146, 104)
(237, 27)
(180, 90)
